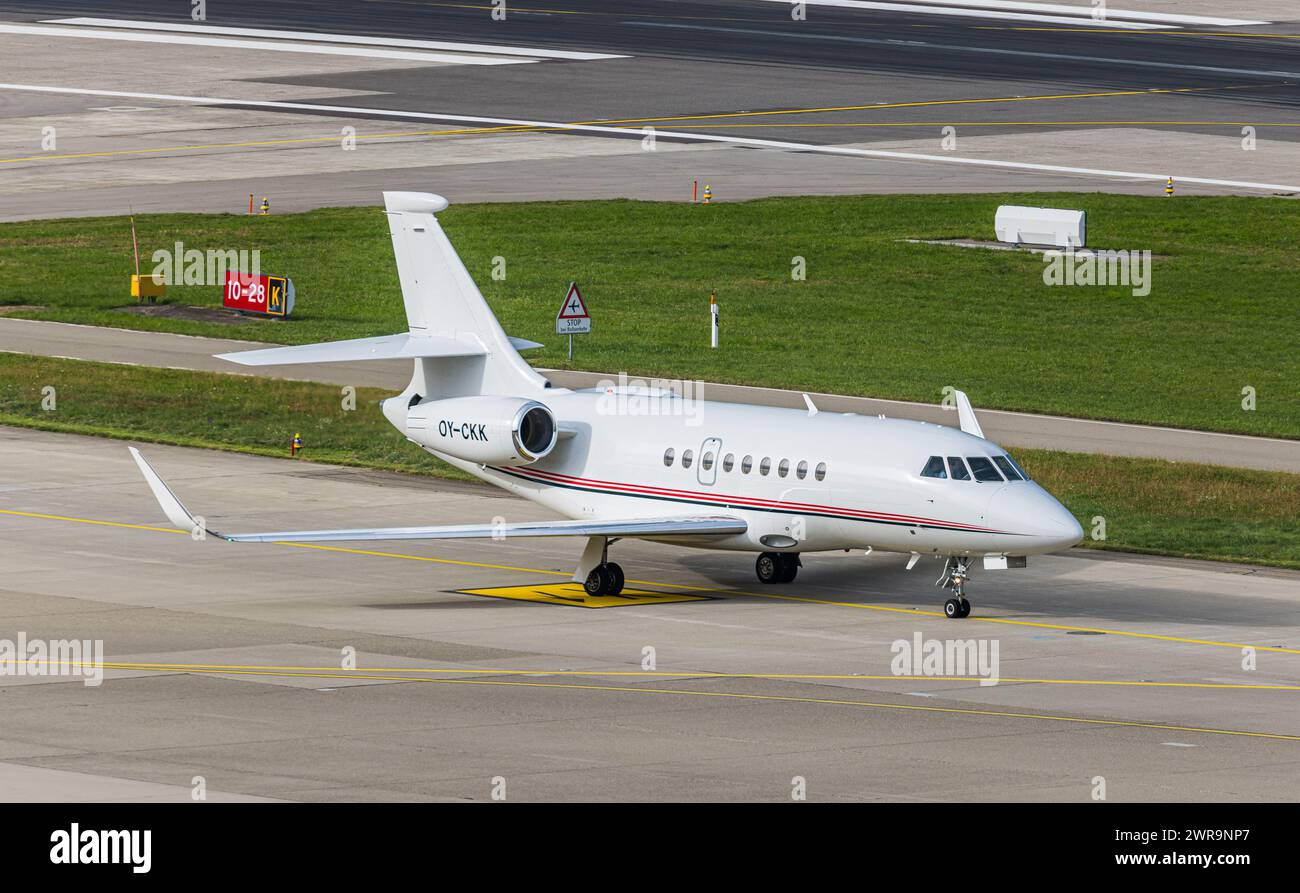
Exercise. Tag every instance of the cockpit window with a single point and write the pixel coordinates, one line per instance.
(983, 469)
(934, 468)
(1016, 466)
(958, 469)
(1009, 470)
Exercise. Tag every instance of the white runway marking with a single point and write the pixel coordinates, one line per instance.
(314, 37)
(983, 14)
(638, 133)
(957, 48)
(261, 45)
(1081, 12)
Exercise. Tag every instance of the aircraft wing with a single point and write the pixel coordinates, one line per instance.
(711, 525)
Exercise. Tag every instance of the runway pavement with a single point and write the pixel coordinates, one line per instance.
(1012, 429)
(228, 660)
(1027, 93)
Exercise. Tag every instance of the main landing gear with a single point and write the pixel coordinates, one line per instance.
(777, 567)
(603, 576)
(604, 579)
(955, 574)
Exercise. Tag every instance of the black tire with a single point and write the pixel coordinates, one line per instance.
(789, 562)
(597, 581)
(768, 567)
(952, 609)
(965, 608)
(616, 578)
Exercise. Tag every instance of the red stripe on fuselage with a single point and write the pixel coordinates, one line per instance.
(646, 490)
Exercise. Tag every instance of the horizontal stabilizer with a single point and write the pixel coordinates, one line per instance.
(385, 347)
(691, 525)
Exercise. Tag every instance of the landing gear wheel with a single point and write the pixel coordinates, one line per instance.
(788, 562)
(598, 581)
(616, 578)
(955, 574)
(769, 568)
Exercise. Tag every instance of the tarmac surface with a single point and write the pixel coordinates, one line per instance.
(1159, 103)
(455, 671)
(1011, 429)
(228, 660)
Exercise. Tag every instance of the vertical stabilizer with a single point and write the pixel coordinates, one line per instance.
(442, 300)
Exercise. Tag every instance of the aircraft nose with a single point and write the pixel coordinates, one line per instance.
(1025, 508)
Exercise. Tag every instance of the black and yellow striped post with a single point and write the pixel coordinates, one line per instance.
(266, 206)
(1169, 188)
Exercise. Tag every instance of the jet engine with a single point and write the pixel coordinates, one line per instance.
(484, 430)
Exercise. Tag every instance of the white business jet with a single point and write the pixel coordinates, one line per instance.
(780, 482)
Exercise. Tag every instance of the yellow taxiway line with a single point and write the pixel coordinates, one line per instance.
(928, 103)
(911, 612)
(795, 699)
(657, 674)
(779, 124)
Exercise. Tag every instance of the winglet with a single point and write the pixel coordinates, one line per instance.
(966, 415)
(171, 506)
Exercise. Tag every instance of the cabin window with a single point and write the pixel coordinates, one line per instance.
(765, 466)
(984, 470)
(956, 468)
(820, 473)
(1008, 470)
(801, 470)
(746, 464)
(706, 461)
(687, 458)
(934, 468)
(784, 468)
(728, 461)
(668, 457)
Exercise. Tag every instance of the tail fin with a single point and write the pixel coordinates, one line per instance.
(459, 347)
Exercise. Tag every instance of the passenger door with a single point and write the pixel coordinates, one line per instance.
(710, 456)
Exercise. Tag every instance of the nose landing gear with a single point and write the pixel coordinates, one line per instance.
(955, 574)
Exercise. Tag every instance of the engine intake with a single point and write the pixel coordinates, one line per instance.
(484, 430)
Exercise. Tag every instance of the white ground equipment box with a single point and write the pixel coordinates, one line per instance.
(1041, 226)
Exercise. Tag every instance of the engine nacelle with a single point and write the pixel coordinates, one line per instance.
(484, 430)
